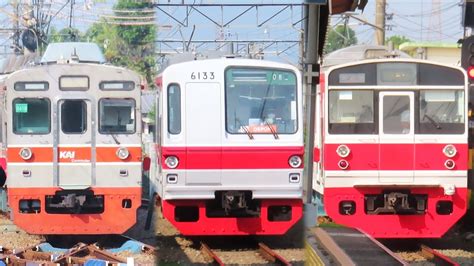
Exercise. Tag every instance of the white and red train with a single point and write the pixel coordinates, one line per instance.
(391, 154)
(71, 136)
(230, 146)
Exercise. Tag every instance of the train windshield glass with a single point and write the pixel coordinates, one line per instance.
(260, 101)
(74, 116)
(117, 116)
(31, 116)
(441, 112)
(351, 112)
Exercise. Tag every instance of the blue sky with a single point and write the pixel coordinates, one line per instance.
(415, 19)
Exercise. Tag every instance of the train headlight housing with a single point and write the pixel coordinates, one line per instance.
(295, 161)
(343, 164)
(26, 153)
(449, 150)
(450, 164)
(172, 162)
(122, 153)
(343, 151)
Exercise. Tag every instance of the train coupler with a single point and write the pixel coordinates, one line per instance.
(395, 202)
(75, 202)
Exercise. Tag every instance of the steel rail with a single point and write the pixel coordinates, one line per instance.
(271, 255)
(207, 252)
(436, 257)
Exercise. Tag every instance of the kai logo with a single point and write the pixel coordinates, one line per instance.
(67, 155)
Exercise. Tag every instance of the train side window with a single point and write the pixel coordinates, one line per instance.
(117, 116)
(31, 116)
(74, 116)
(351, 112)
(174, 109)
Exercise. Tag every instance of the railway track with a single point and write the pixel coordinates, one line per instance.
(346, 246)
(263, 250)
(79, 254)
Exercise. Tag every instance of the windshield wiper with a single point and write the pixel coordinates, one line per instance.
(115, 139)
(432, 121)
(245, 129)
(275, 134)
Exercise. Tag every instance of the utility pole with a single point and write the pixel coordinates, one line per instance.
(380, 22)
(16, 26)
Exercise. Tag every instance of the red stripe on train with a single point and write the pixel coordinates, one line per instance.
(395, 157)
(232, 157)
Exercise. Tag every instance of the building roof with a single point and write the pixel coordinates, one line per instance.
(408, 46)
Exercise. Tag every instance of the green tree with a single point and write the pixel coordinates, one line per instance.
(339, 37)
(397, 40)
(65, 35)
(130, 46)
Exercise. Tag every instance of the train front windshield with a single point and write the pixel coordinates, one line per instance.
(260, 101)
(355, 93)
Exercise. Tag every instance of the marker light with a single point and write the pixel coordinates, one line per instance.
(122, 153)
(343, 164)
(172, 162)
(450, 151)
(343, 151)
(295, 161)
(26, 153)
(449, 164)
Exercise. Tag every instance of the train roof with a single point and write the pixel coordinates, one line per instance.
(85, 52)
(402, 60)
(360, 52)
(226, 61)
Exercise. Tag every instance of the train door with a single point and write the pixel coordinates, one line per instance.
(75, 142)
(203, 116)
(396, 137)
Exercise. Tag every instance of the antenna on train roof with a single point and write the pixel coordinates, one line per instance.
(74, 57)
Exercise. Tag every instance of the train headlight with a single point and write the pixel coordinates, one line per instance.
(295, 161)
(172, 162)
(450, 164)
(26, 153)
(122, 153)
(343, 151)
(450, 151)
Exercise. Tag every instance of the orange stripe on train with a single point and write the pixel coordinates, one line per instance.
(73, 154)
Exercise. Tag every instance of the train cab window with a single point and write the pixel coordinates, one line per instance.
(441, 112)
(351, 112)
(31, 116)
(260, 101)
(174, 109)
(73, 116)
(396, 114)
(117, 116)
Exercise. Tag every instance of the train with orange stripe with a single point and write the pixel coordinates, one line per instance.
(71, 138)
(230, 146)
(391, 154)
